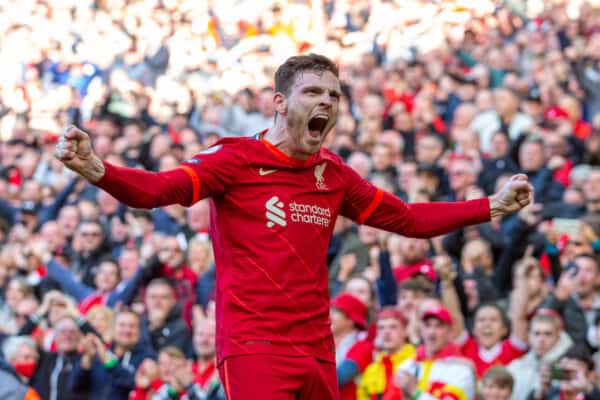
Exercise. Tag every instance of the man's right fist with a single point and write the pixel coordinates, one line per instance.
(74, 149)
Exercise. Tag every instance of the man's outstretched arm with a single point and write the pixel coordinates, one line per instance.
(368, 205)
(133, 187)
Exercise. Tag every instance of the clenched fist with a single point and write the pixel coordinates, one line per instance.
(74, 149)
(513, 196)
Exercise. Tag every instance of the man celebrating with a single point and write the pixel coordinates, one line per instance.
(274, 201)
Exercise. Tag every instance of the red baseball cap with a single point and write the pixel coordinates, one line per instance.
(554, 113)
(440, 313)
(354, 309)
(391, 312)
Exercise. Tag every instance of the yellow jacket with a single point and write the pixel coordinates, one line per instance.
(373, 380)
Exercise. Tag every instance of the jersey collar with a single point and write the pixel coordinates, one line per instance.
(296, 162)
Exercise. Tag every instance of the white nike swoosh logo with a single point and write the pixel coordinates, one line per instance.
(263, 172)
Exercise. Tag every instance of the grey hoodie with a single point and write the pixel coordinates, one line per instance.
(526, 370)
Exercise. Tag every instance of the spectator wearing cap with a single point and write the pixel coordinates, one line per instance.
(569, 379)
(352, 351)
(547, 343)
(441, 371)
(378, 379)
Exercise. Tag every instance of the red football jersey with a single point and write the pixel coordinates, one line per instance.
(501, 354)
(272, 217)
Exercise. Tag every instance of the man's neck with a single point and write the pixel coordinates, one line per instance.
(279, 137)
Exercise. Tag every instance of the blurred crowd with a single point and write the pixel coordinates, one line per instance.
(442, 101)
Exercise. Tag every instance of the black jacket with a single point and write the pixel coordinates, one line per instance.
(174, 332)
(52, 374)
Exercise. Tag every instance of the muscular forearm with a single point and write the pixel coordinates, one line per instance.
(143, 189)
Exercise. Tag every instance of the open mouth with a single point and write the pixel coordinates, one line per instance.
(317, 124)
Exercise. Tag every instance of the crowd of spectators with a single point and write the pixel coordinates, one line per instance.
(442, 101)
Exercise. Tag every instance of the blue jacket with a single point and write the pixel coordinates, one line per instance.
(70, 285)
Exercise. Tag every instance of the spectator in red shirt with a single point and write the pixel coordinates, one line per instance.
(487, 345)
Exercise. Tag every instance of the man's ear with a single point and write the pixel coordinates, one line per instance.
(280, 103)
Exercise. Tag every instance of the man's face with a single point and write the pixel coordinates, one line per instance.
(128, 262)
(428, 150)
(587, 276)
(391, 334)
(504, 102)
(383, 157)
(68, 218)
(91, 236)
(24, 309)
(107, 277)
(543, 335)
(204, 340)
(489, 327)
(361, 289)
(535, 281)
(25, 354)
(413, 250)
(175, 256)
(531, 156)
(492, 391)
(160, 299)
(127, 330)
(409, 300)
(435, 334)
(67, 335)
(591, 186)
(340, 323)
(461, 175)
(313, 98)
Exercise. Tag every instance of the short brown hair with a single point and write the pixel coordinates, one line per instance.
(172, 352)
(499, 376)
(285, 76)
(417, 284)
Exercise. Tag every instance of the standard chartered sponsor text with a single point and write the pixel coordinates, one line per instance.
(310, 214)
